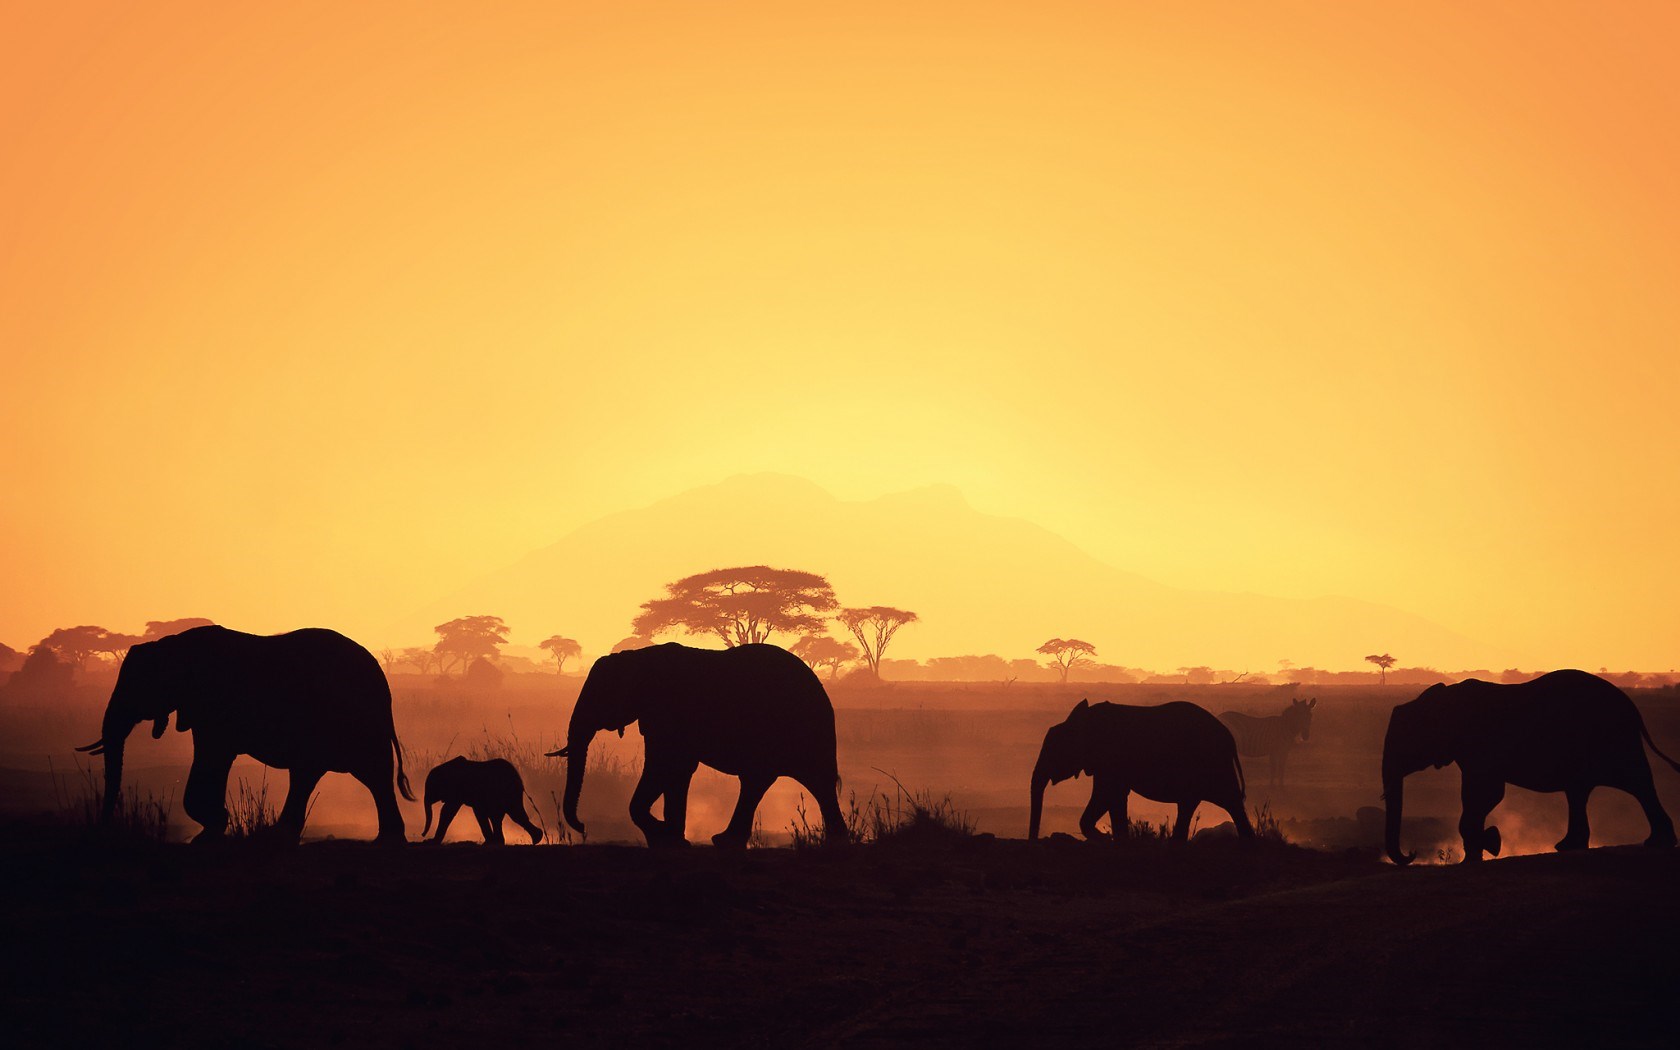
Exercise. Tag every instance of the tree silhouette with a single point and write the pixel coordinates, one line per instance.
(156, 629)
(76, 645)
(819, 650)
(463, 640)
(562, 649)
(1383, 662)
(1197, 675)
(740, 605)
(421, 657)
(873, 627)
(1067, 653)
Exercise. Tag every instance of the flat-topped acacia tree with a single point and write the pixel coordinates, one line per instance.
(741, 605)
(467, 638)
(562, 649)
(1383, 662)
(1067, 653)
(874, 626)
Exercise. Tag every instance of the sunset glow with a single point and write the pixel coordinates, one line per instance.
(314, 314)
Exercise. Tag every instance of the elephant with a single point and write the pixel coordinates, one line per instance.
(1175, 752)
(311, 701)
(754, 711)
(492, 788)
(1566, 731)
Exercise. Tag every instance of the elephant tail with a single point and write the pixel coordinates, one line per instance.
(1652, 744)
(402, 777)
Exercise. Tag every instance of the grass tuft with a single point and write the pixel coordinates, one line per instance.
(905, 818)
(138, 817)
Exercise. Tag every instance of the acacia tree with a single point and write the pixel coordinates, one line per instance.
(740, 605)
(1067, 653)
(77, 645)
(1383, 662)
(873, 627)
(562, 649)
(819, 651)
(421, 657)
(461, 641)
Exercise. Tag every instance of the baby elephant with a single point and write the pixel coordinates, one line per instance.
(493, 790)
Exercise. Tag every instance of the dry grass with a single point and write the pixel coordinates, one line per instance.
(138, 817)
(251, 811)
(1266, 826)
(903, 818)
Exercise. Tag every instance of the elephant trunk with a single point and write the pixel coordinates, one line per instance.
(431, 800)
(112, 741)
(1040, 780)
(577, 757)
(1394, 788)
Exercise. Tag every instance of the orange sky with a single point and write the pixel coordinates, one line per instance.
(311, 315)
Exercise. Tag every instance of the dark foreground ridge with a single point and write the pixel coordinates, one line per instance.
(982, 942)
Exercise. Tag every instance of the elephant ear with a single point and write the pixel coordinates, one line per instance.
(1081, 707)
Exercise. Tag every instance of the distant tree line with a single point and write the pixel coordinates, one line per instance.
(740, 606)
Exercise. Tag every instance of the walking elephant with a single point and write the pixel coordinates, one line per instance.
(492, 788)
(1175, 752)
(1566, 731)
(311, 701)
(755, 712)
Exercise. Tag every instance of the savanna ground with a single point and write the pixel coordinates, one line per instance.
(960, 941)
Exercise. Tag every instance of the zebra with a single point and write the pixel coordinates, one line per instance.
(1272, 737)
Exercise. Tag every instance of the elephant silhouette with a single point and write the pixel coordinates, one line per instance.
(311, 701)
(1175, 752)
(492, 788)
(1566, 731)
(756, 712)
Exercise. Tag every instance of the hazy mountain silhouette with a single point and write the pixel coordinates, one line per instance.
(981, 583)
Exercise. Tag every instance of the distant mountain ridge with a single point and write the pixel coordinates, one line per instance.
(981, 584)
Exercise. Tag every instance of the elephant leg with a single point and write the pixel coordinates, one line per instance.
(493, 828)
(444, 817)
(205, 797)
(523, 819)
(1577, 835)
(641, 806)
(753, 787)
(1181, 827)
(676, 802)
(1479, 797)
(1638, 783)
(825, 788)
(1239, 816)
(1118, 821)
(1094, 809)
(296, 809)
(378, 783)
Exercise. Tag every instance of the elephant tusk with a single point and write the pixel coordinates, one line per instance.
(557, 754)
(95, 748)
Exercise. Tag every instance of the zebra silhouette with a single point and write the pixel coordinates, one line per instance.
(1272, 737)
